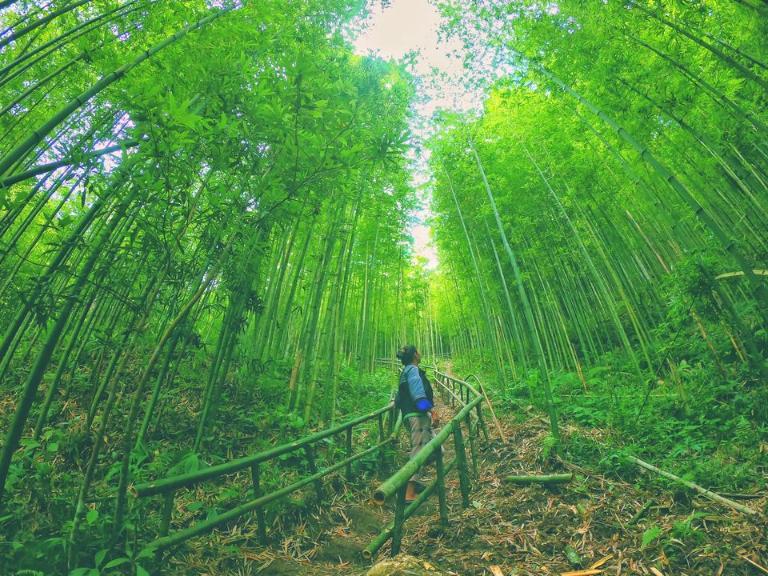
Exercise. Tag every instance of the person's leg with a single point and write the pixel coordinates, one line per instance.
(420, 429)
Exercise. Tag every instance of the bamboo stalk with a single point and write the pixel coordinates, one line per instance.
(51, 166)
(759, 291)
(703, 491)
(16, 34)
(545, 479)
(40, 133)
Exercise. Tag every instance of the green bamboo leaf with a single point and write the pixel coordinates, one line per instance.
(117, 562)
(91, 516)
(649, 536)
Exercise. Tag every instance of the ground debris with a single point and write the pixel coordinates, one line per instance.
(614, 527)
(527, 530)
(405, 565)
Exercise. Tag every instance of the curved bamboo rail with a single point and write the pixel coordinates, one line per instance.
(457, 391)
(168, 486)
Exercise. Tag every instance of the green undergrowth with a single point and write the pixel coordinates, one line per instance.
(697, 424)
(247, 421)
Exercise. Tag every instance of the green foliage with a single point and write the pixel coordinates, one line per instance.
(220, 280)
(230, 273)
(650, 536)
(685, 530)
(547, 446)
(623, 211)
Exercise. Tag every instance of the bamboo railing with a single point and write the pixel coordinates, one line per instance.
(455, 391)
(167, 487)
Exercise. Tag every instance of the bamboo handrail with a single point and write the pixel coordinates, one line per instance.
(451, 392)
(401, 477)
(181, 480)
(386, 534)
(210, 524)
(168, 486)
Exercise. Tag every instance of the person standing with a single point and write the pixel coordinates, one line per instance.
(416, 401)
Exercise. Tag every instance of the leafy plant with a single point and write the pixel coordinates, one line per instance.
(650, 535)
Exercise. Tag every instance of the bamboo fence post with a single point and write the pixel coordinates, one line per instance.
(461, 457)
(440, 468)
(309, 450)
(256, 481)
(165, 520)
(391, 423)
(397, 528)
(349, 453)
(472, 447)
(380, 423)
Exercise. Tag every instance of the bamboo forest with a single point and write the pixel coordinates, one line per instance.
(229, 230)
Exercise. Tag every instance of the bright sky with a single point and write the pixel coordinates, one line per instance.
(412, 26)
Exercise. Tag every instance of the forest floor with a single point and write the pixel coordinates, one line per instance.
(639, 527)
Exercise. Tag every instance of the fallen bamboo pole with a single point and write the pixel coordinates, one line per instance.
(545, 479)
(701, 490)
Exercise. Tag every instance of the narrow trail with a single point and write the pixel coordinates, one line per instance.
(514, 530)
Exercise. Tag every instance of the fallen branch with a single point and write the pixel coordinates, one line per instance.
(546, 479)
(490, 406)
(740, 273)
(601, 562)
(755, 564)
(703, 491)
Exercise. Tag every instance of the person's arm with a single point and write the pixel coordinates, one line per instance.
(416, 389)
